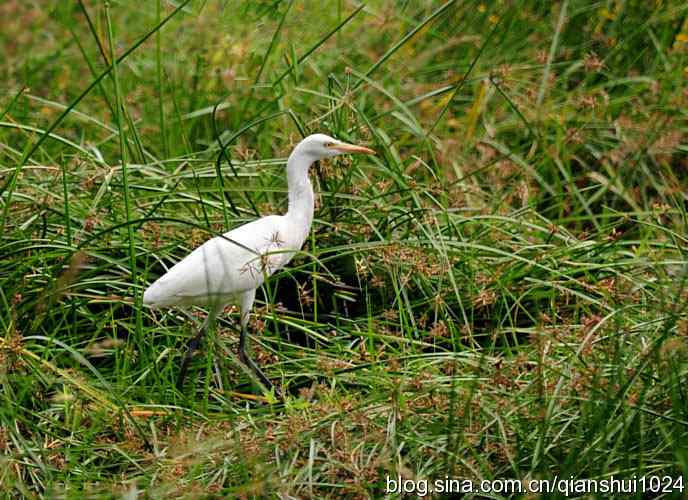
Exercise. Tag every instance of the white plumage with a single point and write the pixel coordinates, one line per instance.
(225, 267)
(228, 269)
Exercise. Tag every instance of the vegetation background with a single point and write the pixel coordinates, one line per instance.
(500, 293)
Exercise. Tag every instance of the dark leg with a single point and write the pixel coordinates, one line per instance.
(243, 357)
(191, 348)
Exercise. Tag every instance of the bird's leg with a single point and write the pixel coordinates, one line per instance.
(192, 346)
(245, 359)
(190, 349)
(246, 304)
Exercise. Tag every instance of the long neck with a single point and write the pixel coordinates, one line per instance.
(301, 196)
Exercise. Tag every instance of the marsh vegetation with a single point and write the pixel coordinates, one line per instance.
(499, 293)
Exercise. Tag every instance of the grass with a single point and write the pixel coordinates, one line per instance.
(499, 294)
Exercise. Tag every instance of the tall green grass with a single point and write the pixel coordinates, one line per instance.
(499, 293)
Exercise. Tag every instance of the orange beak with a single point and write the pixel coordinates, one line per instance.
(351, 148)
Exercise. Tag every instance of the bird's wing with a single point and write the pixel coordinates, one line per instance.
(224, 266)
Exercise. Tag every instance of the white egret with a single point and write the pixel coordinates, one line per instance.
(229, 269)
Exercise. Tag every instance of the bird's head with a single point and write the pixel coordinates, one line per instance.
(319, 146)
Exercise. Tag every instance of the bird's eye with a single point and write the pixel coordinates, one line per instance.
(329, 144)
